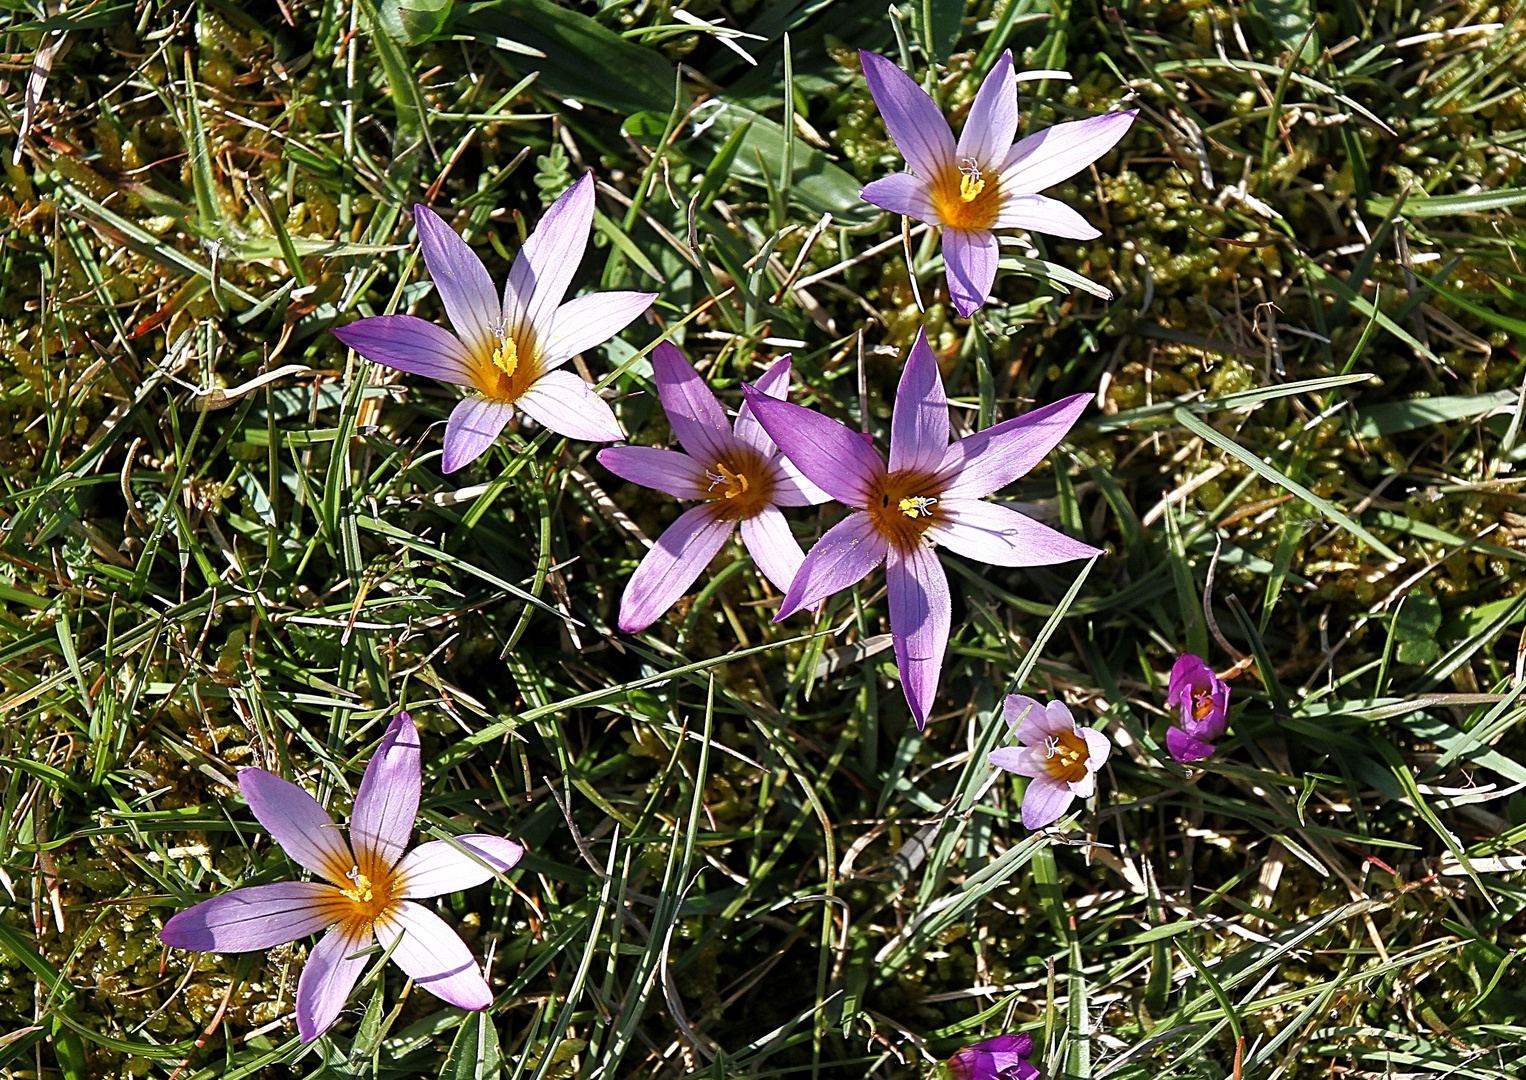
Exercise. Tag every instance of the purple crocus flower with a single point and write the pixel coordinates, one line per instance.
(1004, 1057)
(510, 353)
(930, 493)
(984, 181)
(1203, 700)
(370, 892)
(1059, 755)
(739, 474)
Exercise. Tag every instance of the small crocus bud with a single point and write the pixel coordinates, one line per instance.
(1202, 701)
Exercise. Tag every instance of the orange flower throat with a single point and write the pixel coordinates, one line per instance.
(741, 486)
(904, 506)
(967, 197)
(1065, 756)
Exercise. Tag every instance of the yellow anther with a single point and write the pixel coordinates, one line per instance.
(917, 506)
(360, 892)
(971, 183)
(506, 356)
(732, 483)
(1202, 705)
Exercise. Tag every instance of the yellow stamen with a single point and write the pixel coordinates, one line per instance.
(1202, 704)
(733, 483)
(1065, 756)
(971, 183)
(360, 891)
(917, 506)
(506, 356)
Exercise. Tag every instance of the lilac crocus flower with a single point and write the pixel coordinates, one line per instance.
(510, 353)
(370, 892)
(737, 471)
(1203, 701)
(930, 493)
(1061, 757)
(1004, 1057)
(984, 181)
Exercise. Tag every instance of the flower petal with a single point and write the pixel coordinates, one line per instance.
(254, 917)
(833, 457)
(920, 612)
(792, 488)
(667, 571)
(462, 281)
(1085, 787)
(448, 866)
(919, 423)
(328, 977)
(903, 193)
(387, 803)
(587, 321)
(1189, 673)
(772, 546)
(294, 820)
(1045, 801)
(775, 383)
(667, 471)
(913, 121)
(408, 344)
(1031, 720)
(1097, 746)
(563, 402)
(698, 421)
(969, 263)
(994, 534)
(989, 460)
(1057, 153)
(473, 425)
(1183, 747)
(544, 267)
(842, 557)
(433, 955)
(1021, 760)
(1040, 213)
(991, 124)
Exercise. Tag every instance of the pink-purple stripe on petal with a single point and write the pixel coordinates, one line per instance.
(462, 862)
(543, 269)
(830, 455)
(667, 471)
(920, 613)
(409, 344)
(970, 259)
(912, 119)
(462, 281)
(987, 461)
(698, 421)
(1058, 152)
(587, 321)
(254, 917)
(919, 424)
(991, 124)
(1040, 213)
(772, 546)
(993, 534)
(387, 802)
(295, 821)
(902, 193)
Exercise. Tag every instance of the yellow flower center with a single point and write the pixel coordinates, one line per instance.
(1065, 756)
(917, 506)
(966, 196)
(360, 890)
(903, 506)
(503, 368)
(1202, 704)
(741, 486)
(506, 357)
(368, 895)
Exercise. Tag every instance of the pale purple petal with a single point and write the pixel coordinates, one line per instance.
(255, 917)
(772, 546)
(989, 460)
(1021, 760)
(563, 402)
(775, 383)
(1035, 721)
(919, 424)
(991, 124)
(433, 955)
(1097, 746)
(1045, 801)
(791, 488)
(1057, 153)
(830, 455)
(920, 613)
(1183, 747)
(328, 977)
(697, 419)
(1085, 787)
(448, 866)
(387, 803)
(591, 320)
(1040, 213)
(462, 281)
(668, 471)
(408, 344)
(473, 425)
(913, 121)
(903, 193)
(993, 534)
(543, 269)
(683, 550)
(969, 263)
(842, 557)
(294, 820)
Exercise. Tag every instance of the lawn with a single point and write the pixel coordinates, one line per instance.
(228, 541)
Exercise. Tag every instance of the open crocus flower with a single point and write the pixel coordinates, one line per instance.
(1004, 1057)
(510, 353)
(1061, 756)
(737, 472)
(930, 493)
(370, 892)
(984, 181)
(1203, 700)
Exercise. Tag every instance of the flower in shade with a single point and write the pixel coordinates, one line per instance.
(368, 894)
(510, 353)
(1004, 1057)
(1202, 699)
(1060, 756)
(735, 472)
(930, 493)
(984, 181)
